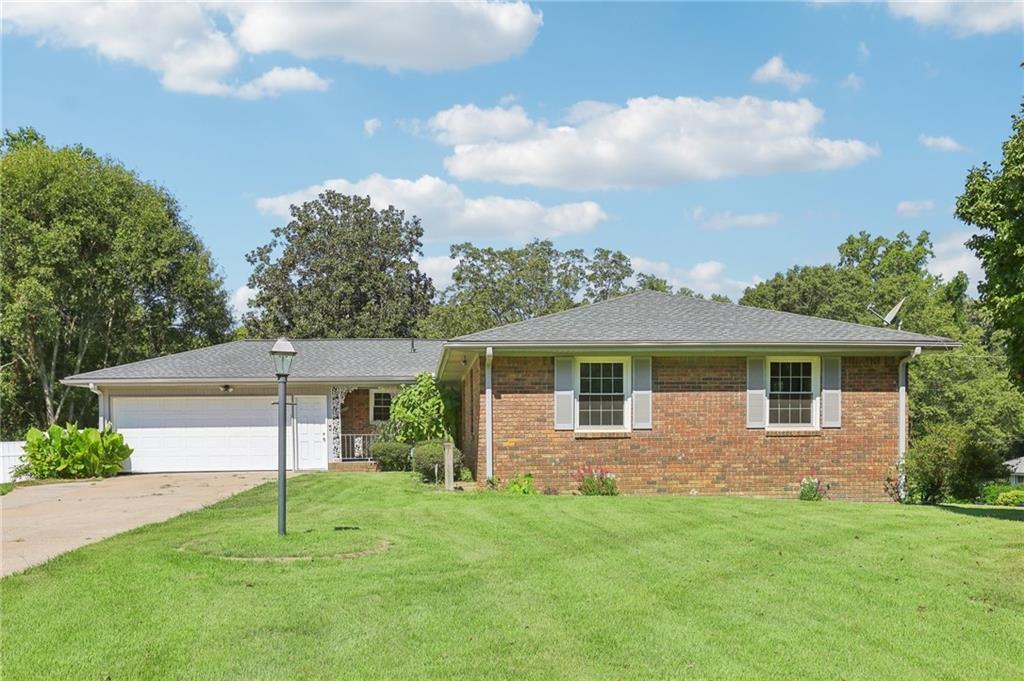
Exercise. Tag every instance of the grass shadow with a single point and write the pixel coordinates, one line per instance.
(997, 512)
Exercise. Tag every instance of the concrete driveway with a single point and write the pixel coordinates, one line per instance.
(41, 522)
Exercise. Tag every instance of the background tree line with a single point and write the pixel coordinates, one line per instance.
(100, 268)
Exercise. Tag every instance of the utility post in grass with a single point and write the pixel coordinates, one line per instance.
(283, 353)
(449, 466)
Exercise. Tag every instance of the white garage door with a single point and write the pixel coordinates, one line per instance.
(172, 434)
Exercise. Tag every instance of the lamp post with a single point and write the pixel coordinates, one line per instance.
(283, 353)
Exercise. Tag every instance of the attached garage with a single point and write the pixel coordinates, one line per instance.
(173, 434)
(215, 408)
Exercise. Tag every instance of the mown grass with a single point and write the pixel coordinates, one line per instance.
(478, 585)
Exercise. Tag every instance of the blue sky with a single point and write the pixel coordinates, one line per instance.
(716, 144)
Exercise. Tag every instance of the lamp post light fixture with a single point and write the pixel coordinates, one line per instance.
(283, 353)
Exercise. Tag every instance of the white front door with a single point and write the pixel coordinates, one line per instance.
(311, 428)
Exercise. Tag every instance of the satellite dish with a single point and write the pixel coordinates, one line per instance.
(892, 315)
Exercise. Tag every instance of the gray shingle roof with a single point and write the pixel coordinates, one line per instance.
(1016, 466)
(652, 317)
(368, 359)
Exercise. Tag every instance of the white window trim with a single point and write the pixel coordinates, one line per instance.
(388, 391)
(627, 390)
(815, 392)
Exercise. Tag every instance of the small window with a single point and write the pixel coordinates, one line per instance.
(380, 406)
(602, 395)
(792, 393)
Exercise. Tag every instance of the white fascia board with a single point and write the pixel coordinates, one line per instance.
(699, 348)
(360, 381)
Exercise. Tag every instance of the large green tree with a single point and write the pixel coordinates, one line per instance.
(993, 201)
(339, 268)
(966, 417)
(491, 287)
(99, 268)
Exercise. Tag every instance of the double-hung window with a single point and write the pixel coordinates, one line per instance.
(380, 406)
(602, 393)
(793, 389)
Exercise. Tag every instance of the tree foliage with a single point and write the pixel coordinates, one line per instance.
(993, 201)
(491, 287)
(424, 410)
(966, 417)
(339, 268)
(98, 268)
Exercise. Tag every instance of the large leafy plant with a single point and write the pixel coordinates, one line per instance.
(73, 453)
(422, 411)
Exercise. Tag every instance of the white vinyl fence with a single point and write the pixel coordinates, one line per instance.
(10, 456)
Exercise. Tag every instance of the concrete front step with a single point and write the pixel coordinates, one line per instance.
(352, 466)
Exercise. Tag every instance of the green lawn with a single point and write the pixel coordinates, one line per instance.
(389, 578)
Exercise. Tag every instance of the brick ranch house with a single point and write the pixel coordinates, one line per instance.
(674, 395)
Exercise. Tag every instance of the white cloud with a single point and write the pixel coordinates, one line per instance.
(728, 219)
(705, 277)
(177, 40)
(508, 99)
(588, 109)
(952, 256)
(863, 53)
(416, 36)
(963, 18)
(197, 47)
(447, 213)
(910, 209)
(278, 80)
(439, 268)
(940, 143)
(852, 82)
(240, 301)
(774, 71)
(469, 124)
(649, 142)
(371, 126)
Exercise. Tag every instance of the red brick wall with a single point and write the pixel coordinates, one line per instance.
(355, 418)
(699, 443)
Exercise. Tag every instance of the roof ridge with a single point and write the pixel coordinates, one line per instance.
(548, 315)
(359, 338)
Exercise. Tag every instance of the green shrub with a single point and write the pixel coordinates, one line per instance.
(596, 481)
(428, 460)
(72, 453)
(1012, 498)
(521, 484)
(811, 490)
(424, 411)
(465, 475)
(391, 455)
(950, 463)
(992, 490)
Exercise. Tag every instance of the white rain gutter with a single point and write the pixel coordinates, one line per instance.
(102, 406)
(901, 460)
(489, 414)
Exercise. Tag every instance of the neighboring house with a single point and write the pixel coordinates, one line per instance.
(670, 393)
(1016, 468)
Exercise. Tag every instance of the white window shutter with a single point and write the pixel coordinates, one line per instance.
(642, 389)
(831, 392)
(565, 394)
(757, 400)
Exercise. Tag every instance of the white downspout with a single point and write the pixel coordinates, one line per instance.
(901, 461)
(102, 405)
(489, 415)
